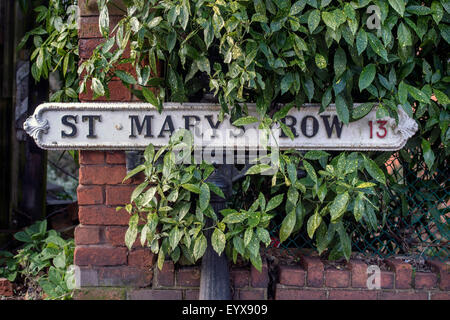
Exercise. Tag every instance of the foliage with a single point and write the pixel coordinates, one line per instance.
(281, 54)
(55, 43)
(43, 260)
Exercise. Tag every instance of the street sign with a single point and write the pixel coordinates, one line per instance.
(132, 126)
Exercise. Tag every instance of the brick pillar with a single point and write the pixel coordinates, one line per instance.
(100, 249)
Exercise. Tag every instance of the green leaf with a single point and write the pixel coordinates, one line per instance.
(263, 235)
(342, 109)
(339, 206)
(361, 41)
(358, 208)
(313, 223)
(199, 246)
(287, 226)
(154, 22)
(236, 217)
(161, 258)
(330, 20)
(245, 121)
(134, 172)
(97, 87)
(321, 62)
(310, 170)
(404, 36)
(132, 231)
(256, 261)
(428, 154)
(441, 97)
(362, 110)
(191, 187)
(377, 46)
(258, 168)
(340, 62)
(175, 237)
(150, 96)
(437, 11)
(248, 234)
(274, 202)
(218, 241)
(216, 189)
(316, 154)
(398, 5)
(313, 20)
(138, 190)
(125, 77)
(204, 196)
(374, 171)
(403, 93)
(418, 94)
(367, 76)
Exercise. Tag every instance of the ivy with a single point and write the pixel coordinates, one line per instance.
(279, 55)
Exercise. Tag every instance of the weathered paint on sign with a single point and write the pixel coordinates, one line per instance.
(130, 126)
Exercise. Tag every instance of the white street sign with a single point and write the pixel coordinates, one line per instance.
(132, 126)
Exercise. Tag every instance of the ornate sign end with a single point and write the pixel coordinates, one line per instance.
(34, 125)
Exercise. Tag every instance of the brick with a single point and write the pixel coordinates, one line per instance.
(188, 277)
(314, 269)
(6, 287)
(87, 46)
(337, 278)
(387, 279)
(118, 195)
(166, 276)
(91, 157)
(115, 157)
(299, 294)
(259, 279)
(152, 294)
(291, 276)
(443, 269)
(102, 174)
(358, 273)
(89, 195)
(125, 276)
(403, 273)
(240, 277)
(402, 295)
(89, 26)
(440, 296)
(425, 280)
(352, 295)
(89, 8)
(102, 215)
(100, 294)
(117, 92)
(86, 277)
(115, 236)
(100, 256)
(87, 235)
(253, 294)
(191, 294)
(143, 258)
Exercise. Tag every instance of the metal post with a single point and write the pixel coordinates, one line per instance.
(215, 276)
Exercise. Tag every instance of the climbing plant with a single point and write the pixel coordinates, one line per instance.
(279, 54)
(54, 43)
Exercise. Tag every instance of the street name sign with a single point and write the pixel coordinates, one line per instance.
(133, 126)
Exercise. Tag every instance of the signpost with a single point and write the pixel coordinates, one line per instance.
(132, 126)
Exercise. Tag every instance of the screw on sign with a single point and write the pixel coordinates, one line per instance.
(133, 126)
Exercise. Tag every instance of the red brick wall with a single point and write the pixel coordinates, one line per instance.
(109, 271)
(311, 281)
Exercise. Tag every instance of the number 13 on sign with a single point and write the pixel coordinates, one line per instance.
(381, 132)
